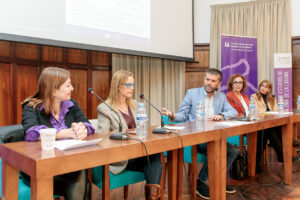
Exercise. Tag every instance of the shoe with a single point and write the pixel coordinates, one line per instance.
(230, 189)
(202, 190)
(152, 192)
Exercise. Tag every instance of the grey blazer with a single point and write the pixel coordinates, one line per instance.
(109, 121)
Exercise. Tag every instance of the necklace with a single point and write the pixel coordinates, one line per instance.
(124, 110)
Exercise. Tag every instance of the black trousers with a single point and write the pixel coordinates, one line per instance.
(72, 186)
(274, 136)
(141, 164)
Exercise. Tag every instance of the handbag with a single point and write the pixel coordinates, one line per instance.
(239, 167)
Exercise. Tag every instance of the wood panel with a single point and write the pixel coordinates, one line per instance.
(77, 56)
(101, 85)
(52, 54)
(26, 80)
(4, 48)
(194, 80)
(79, 82)
(6, 95)
(100, 58)
(195, 72)
(27, 51)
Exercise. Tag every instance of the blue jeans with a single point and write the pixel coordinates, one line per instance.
(141, 164)
(232, 152)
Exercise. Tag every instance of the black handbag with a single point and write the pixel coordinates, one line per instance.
(239, 167)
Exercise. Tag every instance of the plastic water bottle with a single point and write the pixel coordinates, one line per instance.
(200, 111)
(298, 103)
(252, 112)
(141, 121)
(280, 105)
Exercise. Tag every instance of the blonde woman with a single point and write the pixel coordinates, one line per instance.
(266, 101)
(120, 98)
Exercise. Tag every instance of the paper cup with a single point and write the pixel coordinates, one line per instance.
(48, 136)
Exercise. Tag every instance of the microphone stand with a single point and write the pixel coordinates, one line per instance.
(161, 129)
(115, 136)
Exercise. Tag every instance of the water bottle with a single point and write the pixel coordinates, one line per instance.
(280, 105)
(200, 111)
(298, 103)
(252, 112)
(141, 121)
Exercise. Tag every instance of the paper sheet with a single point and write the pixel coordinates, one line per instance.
(71, 144)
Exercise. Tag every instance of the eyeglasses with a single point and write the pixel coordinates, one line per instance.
(238, 82)
(130, 85)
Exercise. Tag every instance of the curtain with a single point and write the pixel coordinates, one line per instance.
(161, 81)
(268, 20)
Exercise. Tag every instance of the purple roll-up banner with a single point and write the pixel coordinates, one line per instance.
(239, 56)
(283, 78)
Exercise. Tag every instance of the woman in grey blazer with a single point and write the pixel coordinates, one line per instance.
(120, 98)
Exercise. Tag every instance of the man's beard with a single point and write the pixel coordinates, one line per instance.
(212, 89)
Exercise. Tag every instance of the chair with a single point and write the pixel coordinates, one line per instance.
(189, 153)
(8, 134)
(124, 179)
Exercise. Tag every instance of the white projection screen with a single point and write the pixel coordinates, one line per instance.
(154, 28)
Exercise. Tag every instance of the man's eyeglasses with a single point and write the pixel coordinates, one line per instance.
(238, 82)
(130, 85)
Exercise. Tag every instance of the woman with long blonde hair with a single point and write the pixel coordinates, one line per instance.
(120, 98)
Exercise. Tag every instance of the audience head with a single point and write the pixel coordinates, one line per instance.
(212, 80)
(122, 86)
(237, 83)
(54, 84)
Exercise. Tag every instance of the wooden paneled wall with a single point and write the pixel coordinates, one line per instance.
(194, 72)
(21, 64)
(296, 68)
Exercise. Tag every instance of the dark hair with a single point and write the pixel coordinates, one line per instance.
(214, 71)
(230, 82)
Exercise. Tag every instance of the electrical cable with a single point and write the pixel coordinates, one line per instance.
(186, 175)
(145, 147)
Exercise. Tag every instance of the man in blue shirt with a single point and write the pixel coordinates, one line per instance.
(216, 108)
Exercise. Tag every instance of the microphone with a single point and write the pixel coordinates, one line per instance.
(119, 136)
(159, 130)
(114, 136)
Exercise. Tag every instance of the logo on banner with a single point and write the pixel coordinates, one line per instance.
(227, 44)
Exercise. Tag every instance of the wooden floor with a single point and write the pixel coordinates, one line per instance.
(265, 186)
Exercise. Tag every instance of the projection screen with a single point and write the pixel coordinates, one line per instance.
(154, 28)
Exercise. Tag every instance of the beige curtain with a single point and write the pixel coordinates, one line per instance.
(161, 81)
(268, 20)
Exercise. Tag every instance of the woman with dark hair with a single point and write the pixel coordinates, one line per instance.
(266, 101)
(120, 98)
(52, 107)
(236, 86)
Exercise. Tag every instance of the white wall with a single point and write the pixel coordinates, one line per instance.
(295, 17)
(202, 13)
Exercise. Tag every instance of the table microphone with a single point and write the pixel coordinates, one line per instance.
(159, 130)
(115, 136)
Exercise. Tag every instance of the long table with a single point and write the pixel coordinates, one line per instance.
(42, 167)
(264, 122)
